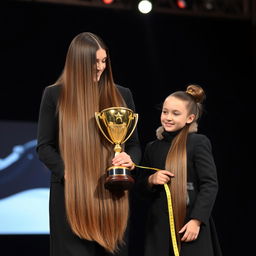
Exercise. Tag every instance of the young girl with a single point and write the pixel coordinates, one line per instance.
(187, 166)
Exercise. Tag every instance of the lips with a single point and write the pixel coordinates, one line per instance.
(169, 124)
(99, 75)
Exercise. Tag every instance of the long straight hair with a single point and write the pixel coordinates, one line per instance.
(176, 160)
(93, 212)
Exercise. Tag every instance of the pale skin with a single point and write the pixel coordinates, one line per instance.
(175, 116)
(101, 57)
(123, 159)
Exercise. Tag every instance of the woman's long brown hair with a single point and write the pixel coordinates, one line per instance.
(176, 160)
(93, 212)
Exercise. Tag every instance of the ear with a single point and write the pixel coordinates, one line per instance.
(190, 118)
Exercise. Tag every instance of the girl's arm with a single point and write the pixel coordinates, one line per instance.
(207, 180)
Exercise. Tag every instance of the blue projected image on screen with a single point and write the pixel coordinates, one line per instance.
(24, 181)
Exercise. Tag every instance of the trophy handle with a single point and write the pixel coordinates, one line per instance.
(136, 116)
(97, 116)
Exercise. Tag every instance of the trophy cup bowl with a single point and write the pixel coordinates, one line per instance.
(117, 125)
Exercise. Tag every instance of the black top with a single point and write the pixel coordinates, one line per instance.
(48, 147)
(202, 190)
(63, 242)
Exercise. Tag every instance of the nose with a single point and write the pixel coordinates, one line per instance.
(99, 66)
(169, 117)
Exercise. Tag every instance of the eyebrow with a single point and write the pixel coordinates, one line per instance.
(102, 58)
(173, 110)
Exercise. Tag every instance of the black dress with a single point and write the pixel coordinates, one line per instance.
(63, 242)
(202, 191)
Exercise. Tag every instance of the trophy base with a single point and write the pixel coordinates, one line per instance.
(118, 178)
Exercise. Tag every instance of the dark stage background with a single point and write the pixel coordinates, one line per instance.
(153, 55)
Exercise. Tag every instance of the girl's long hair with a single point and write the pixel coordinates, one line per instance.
(176, 160)
(94, 213)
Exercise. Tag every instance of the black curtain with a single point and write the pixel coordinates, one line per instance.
(153, 55)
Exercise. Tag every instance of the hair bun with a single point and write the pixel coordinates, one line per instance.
(196, 92)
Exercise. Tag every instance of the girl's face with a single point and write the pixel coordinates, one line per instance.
(101, 57)
(175, 114)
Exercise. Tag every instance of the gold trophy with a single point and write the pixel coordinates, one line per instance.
(117, 125)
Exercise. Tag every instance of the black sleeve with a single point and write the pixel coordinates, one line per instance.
(207, 177)
(47, 136)
(132, 145)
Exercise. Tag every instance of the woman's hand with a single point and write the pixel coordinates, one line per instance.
(123, 159)
(160, 177)
(191, 230)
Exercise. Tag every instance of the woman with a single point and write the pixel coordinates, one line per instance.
(85, 218)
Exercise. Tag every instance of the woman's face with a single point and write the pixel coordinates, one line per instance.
(175, 114)
(101, 58)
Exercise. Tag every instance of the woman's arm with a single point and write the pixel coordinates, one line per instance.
(47, 135)
(132, 145)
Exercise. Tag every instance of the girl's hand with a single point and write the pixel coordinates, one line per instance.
(191, 230)
(160, 177)
(123, 159)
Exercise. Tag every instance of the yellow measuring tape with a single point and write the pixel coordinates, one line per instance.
(170, 211)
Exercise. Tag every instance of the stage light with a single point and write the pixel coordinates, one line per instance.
(107, 1)
(182, 4)
(145, 6)
(208, 4)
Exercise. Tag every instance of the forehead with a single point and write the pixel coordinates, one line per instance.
(101, 54)
(174, 103)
